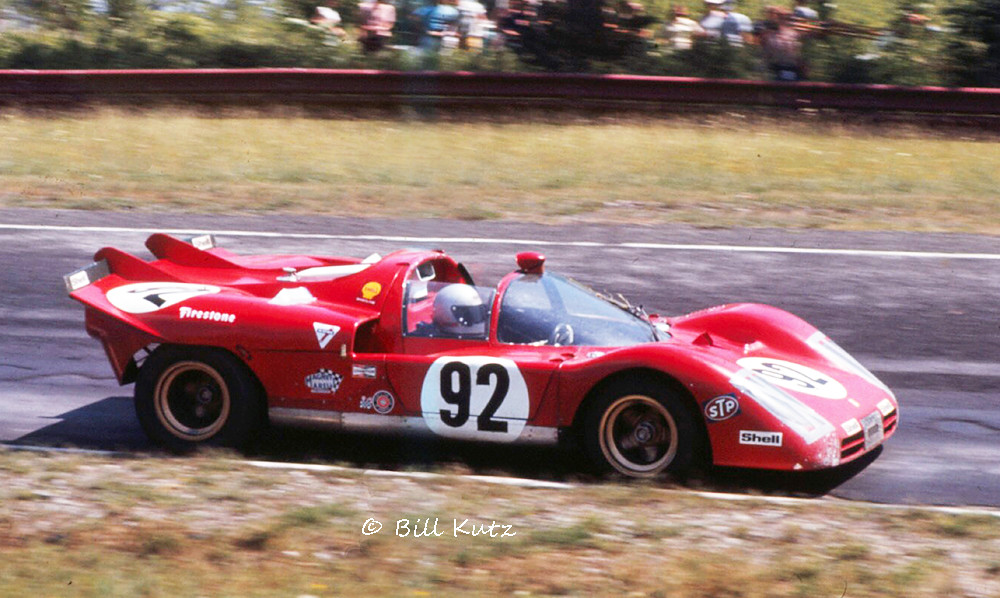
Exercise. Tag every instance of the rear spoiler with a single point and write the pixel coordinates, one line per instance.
(86, 276)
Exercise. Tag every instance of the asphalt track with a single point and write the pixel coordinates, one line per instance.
(920, 310)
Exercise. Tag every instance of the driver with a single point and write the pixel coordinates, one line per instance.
(459, 311)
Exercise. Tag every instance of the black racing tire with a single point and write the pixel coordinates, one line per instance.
(640, 429)
(187, 397)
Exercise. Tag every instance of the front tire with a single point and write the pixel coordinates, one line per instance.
(186, 397)
(640, 430)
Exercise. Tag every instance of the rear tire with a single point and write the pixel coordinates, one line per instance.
(640, 429)
(188, 397)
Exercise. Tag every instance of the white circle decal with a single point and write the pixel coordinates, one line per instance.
(475, 397)
(145, 297)
(795, 376)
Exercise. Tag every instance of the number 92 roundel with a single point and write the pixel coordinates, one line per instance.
(474, 397)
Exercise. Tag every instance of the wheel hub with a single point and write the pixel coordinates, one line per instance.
(644, 432)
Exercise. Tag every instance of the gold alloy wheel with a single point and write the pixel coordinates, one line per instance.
(192, 401)
(638, 436)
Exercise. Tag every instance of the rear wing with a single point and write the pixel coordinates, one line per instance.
(86, 276)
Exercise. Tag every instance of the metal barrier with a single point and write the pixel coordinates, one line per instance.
(343, 87)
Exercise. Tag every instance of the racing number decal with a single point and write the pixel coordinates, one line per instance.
(146, 297)
(794, 376)
(475, 397)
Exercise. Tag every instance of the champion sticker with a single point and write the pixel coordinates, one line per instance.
(146, 297)
(323, 382)
(364, 371)
(381, 402)
(325, 333)
(795, 377)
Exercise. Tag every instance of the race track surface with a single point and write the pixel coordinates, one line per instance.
(920, 310)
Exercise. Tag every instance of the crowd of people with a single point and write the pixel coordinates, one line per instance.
(440, 25)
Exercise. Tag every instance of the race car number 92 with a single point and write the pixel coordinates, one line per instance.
(475, 397)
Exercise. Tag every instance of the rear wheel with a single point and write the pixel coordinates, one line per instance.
(641, 430)
(189, 396)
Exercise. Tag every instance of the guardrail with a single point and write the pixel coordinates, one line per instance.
(342, 87)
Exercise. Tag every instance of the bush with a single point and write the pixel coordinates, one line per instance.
(974, 50)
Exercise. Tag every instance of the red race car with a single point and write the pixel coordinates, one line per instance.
(220, 345)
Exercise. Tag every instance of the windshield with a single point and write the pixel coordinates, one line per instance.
(552, 310)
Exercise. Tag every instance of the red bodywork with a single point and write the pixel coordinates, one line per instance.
(326, 339)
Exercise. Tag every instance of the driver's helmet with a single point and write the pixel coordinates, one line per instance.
(458, 309)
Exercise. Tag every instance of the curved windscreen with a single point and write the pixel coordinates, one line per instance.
(552, 310)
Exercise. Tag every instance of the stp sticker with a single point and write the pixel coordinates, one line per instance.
(795, 376)
(722, 408)
(475, 397)
(146, 297)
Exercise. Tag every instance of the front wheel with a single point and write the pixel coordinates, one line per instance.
(190, 396)
(640, 430)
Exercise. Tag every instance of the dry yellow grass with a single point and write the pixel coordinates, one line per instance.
(716, 173)
(213, 526)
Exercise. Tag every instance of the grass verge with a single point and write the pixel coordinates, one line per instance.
(707, 171)
(214, 526)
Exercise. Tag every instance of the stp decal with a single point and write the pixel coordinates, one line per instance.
(722, 408)
(475, 397)
(795, 376)
(146, 297)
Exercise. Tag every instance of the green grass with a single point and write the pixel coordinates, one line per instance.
(717, 172)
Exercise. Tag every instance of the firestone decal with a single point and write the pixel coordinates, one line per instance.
(722, 408)
(382, 402)
(324, 382)
(186, 313)
(795, 377)
(475, 397)
(146, 297)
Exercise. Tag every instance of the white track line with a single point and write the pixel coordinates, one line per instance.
(880, 253)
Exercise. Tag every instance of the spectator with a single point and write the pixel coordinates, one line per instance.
(736, 27)
(438, 25)
(781, 44)
(711, 21)
(377, 21)
(328, 20)
(802, 10)
(471, 28)
(682, 29)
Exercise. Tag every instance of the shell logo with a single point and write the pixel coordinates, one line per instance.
(371, 290)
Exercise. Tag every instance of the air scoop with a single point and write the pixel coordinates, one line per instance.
(531, 262)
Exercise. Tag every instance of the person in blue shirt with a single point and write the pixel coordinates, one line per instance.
(437, 21)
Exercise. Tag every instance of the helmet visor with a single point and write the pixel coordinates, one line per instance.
(468, 315)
